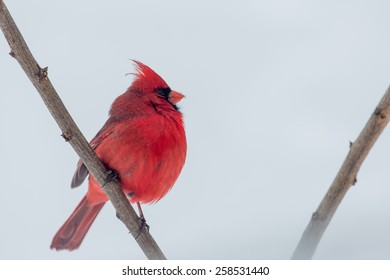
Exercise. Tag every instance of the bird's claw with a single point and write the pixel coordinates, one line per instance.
(143, 226)
(111, 176)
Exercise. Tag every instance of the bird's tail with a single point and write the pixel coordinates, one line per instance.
(73, 231)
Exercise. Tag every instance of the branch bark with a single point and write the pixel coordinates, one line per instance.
(72, 134)
(345, 178)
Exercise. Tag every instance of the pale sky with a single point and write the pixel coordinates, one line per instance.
(275, 90)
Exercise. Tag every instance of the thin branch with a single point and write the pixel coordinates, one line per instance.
(345, 178)
(72, 134)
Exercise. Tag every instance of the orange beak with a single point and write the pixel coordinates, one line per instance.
(175, 97)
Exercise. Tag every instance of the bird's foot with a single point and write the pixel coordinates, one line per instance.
(143, 226)
(111, 176)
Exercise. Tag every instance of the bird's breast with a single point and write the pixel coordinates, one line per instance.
(148, 153)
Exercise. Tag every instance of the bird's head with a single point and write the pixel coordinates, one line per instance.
(153, 87)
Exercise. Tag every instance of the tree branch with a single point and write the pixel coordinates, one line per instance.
(345, 178)
(72, 134)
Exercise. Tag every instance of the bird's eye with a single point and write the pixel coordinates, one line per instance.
(163, 92)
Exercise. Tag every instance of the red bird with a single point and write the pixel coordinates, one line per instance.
(143, 140)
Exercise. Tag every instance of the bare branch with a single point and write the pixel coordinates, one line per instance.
(72, 134)
(345, 178)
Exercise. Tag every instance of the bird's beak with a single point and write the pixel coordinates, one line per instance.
(175, 97)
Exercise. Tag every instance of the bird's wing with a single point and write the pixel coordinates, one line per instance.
(81, 170)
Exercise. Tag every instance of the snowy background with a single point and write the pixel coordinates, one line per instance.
(275, 91)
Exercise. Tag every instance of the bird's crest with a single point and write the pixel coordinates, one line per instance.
(146, 78)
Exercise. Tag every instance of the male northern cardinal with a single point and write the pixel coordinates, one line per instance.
(143, 141)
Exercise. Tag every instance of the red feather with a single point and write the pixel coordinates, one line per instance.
(143, 140)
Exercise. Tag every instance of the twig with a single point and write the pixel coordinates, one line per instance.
(345, 178)
(72, 134)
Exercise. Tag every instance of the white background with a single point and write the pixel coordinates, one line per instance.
(195, 269)
(275, 90)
